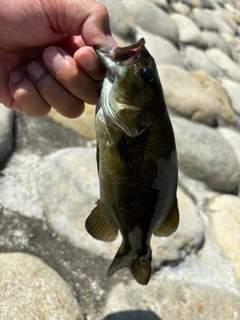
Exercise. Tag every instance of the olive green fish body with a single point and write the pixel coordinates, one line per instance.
(137, 161)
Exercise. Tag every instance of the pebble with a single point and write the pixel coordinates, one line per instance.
(224, 211)
(188, 31)
(196, 59)
(228, 67)
(144, 13)
(217, 92)
(233, 90)
(204, 155)
(32, 290)
(176, 83)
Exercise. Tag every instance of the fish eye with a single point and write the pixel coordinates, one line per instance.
(147, 75)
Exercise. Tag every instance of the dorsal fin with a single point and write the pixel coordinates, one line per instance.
(170, 224)
(100, 225)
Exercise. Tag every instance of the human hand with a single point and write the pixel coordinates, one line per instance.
(46, 58)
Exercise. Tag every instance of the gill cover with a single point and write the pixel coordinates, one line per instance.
(130, 86)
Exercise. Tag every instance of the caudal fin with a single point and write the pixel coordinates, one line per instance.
(140, 267)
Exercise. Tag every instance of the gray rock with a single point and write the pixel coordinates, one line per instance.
(6, 134)
(68, 188)
(185, 95)
(181, 8)
(121, 21)
(144, 13)
(188, 238)
(224, 211)
(225, 24)
(213, 39)
(18, 185)
(233, 91)
(32, 290)
(196, 59)
(224, 63)
(204, 155)
(161, 49)
(188, 31)
(217, 92)
(204, 20)
(171, 298)
(233, 138)
(163, 4)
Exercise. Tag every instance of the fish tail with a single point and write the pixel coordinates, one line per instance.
(140, 267)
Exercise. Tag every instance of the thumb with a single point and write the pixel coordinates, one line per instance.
(87, 18)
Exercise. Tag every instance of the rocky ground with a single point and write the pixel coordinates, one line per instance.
(50, 267)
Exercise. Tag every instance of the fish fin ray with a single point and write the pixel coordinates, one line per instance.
(100, 225)
(140, 267)
(170, 224)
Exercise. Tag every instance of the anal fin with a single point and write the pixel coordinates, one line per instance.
(100, 225)
(170, 224)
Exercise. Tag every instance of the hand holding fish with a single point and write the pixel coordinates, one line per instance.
(45, 55)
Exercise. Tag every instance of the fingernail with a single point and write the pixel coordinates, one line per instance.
(15, 76)
(54, 59)
(35, 70)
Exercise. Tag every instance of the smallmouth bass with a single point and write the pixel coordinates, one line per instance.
(136, 157)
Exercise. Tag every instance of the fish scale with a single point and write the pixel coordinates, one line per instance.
(137, 160)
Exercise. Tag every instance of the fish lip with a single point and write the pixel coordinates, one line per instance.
(122, 55)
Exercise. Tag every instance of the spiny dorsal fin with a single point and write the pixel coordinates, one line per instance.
(100, 225)
(170, 224)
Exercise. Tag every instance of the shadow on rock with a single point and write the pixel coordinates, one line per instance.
(133, 315)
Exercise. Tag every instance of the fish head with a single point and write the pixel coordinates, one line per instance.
(131, 89)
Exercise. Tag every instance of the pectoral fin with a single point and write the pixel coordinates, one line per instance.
(170, 224)
(100, 225)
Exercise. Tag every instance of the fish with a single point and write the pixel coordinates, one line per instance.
(136, 159)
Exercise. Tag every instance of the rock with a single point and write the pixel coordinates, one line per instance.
(214, 40)
(233, 90)
(233, 138)
(172, 298)
(144, 13)
(181, 8)
(204, 20)
(188, 238)
(161, 49)
(224, 211)
(188, 31)
(196, 59)
(232, 13)
(198, 3)
(160, 3)
(6, 134)
(192, 103)
(217, 92)
(32, 290)
(84, 125)
(68, 187)
(224, 63)
(224, 23)
(204, 155)
(121, 21)
(18, 183)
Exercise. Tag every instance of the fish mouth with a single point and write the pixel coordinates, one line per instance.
(121, 55)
